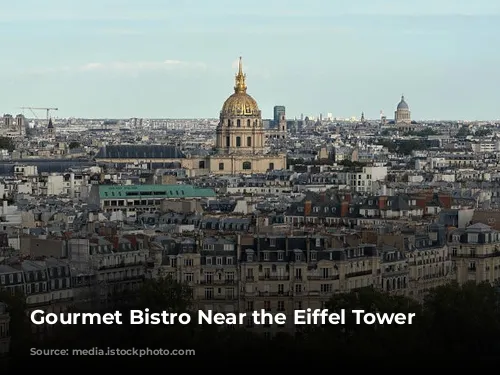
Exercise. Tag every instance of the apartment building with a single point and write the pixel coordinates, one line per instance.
(475, 253)
(118, 262)
(278, 274)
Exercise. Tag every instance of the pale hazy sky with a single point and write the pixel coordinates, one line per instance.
(175, 58)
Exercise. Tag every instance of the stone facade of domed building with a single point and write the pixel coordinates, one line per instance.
(402, 116)
(240, 136)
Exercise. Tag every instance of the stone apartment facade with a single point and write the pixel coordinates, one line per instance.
(475, 251)
(285, 273)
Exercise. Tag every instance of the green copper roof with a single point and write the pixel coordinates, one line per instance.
(153, 191)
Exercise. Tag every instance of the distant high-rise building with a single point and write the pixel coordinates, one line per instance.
(279, 112)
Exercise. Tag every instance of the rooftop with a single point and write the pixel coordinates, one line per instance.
(158, 191)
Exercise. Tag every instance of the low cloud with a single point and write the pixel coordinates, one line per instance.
(135, 66)
(122, 67)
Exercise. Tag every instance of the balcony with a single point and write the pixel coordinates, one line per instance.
(395, 273)
(126, 279)
(218, 282)
(358, 274)
(274, 294)
(122, 265)
(274, 278)
(219, 298)
(326, 278)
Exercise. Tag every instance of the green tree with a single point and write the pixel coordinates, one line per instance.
(73, 145)
(463, 132)
(464, 319)
(483, 132)
(374, 341)
(7, 144)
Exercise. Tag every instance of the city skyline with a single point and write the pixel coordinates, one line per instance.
(152, 59)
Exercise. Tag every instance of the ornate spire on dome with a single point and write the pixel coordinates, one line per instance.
(240, 86)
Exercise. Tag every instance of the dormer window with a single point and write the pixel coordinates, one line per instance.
(473, 238)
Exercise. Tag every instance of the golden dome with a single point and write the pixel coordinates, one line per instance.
(240, 103)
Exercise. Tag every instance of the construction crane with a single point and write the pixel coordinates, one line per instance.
(32, 109)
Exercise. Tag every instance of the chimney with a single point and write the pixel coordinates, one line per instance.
(344, 209)
(307, 208)
(382, 203)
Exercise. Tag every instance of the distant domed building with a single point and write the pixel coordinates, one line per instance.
(239, 146)
(402, 116)
(240, 136)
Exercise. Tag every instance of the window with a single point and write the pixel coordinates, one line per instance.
(228, 142)
(209, 293)
(188, 277)
(221, 166)
(248, 123)
(281, 306)
(201, 164)
(229, 261)
(238, 123)
(238, 141)
(281, 255)
(249, 141)
(218, 261)
(271, 166)
(247, 165)
(473, 238)
(208, 260)
(325, 273)
(326, 288)
(266, 256)
(228, 122)
(314, 256)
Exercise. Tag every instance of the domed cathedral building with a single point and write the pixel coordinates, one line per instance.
(240, 136)
(402, 116)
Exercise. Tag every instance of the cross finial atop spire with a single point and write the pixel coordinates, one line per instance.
(240, 86)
